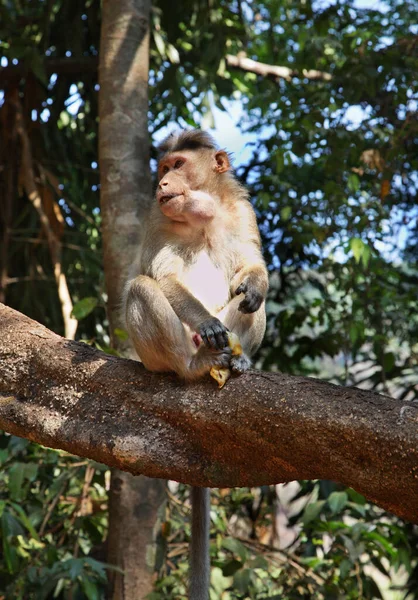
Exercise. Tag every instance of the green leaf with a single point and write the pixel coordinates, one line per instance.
(16, 474)
(365, 257)
(353, 182)
(10, 555)
(337, 501)
(259, 562)
(24, 519)
(159, 42)
(312, 511)
(218, 581)
(356, 497)
(90, 589)
(388, 361)
(379, 539)
(10, 525)
(286, 213)
(121, 334)
(240, 85)
(353, 333)
(236, 547)
(345, 568)
(59, 587)
(173, 55)
(357, 247)
(279, 161)
(231, 567)
(242, 580)
(31, 471)
(97, 566)
(404, 559)
(84, 307)
(4, 455)
(75, 567)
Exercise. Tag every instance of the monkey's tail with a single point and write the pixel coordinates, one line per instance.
(199, 547)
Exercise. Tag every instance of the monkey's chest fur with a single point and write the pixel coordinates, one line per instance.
(208, 279)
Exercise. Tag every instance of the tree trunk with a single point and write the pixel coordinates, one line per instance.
(261, 428)
(125, 195)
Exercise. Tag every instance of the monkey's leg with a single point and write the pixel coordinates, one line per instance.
(249, 327)
(160, 338)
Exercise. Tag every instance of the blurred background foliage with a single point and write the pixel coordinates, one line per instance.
(332, 168)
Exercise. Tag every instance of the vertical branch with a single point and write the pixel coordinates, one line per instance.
(125, 186)
(31, 189)
(125, 195)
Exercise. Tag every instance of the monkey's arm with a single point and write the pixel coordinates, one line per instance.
(251, 277)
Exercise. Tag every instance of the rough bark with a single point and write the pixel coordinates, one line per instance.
(125, 194)
(134, 503)
(262, 428)
(125, 179)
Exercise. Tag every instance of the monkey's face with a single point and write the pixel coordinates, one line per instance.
(177, 177)
(188, 184)
(171, 192)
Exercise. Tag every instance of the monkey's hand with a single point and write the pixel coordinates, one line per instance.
(253, 297)
(214, 334)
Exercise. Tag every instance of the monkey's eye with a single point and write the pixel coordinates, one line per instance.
(165, 170)
(179, 163)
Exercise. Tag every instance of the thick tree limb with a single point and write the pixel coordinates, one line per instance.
(247, 64)
(261, 428)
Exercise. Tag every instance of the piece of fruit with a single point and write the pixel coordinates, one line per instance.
(222, 374)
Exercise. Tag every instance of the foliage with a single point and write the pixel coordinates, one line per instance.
(334, 176)
(52, 518)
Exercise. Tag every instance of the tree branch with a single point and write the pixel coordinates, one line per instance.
(265, 70)
(262, 428)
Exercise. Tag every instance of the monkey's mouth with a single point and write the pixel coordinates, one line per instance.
(167, 197)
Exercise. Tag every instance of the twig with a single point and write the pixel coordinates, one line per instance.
(247, 64)
(82, 502)
(52, 507)
(283, 556)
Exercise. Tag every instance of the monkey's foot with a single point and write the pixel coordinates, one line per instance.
(240, 363)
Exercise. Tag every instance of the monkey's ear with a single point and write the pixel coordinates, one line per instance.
(222, 162)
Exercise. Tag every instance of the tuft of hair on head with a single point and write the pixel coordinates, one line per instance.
(193, 139)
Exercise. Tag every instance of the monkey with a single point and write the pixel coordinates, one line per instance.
(199, 273)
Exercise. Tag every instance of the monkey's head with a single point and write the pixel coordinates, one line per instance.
(191, 167)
